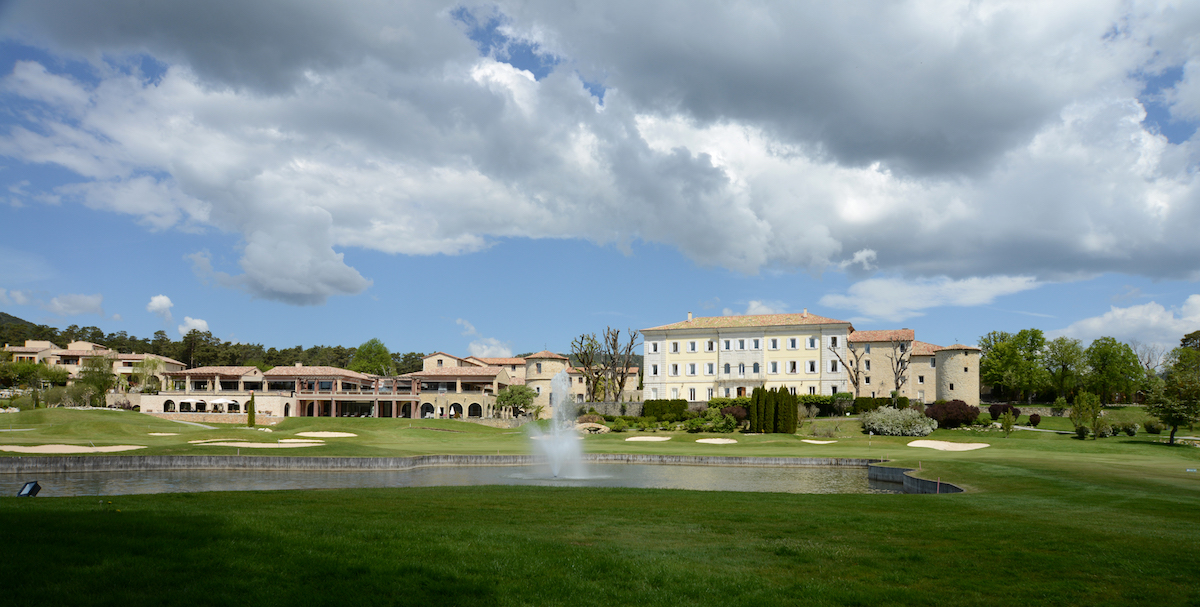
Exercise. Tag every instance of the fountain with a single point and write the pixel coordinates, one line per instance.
(560, 443)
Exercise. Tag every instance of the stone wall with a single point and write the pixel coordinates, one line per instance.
(634, 409)
(911, 483)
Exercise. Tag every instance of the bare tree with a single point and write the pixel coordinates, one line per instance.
(852, 362)
(900, 356)
(588, 352)
(618, 354)
(1149, 355)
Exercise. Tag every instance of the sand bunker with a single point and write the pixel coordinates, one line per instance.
(716, 441)
(942, 445)
(163, 433)
(300, 440)
(327, 434)
(649, 439)
(817, 442)
(263, 445)
(68, 448)
(212, 440)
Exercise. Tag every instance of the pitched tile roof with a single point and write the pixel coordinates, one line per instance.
(500, 361)
(143, 357)
(316, 371)
(215, 371)
(921, 348)
(24, 349)
(959, 347)
(82, 353)
(884, 335)
(760, 320)
(546, 354)
(456, 372)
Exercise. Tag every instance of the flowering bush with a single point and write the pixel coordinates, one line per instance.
(952, 414)
(887, 421)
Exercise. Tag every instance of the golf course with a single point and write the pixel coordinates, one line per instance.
(1045, 519)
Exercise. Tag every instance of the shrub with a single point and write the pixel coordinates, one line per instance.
(738, 412)
(998, 409)
(1081, 432)
(952, 414)
(863, 404)
(619, 425)
(610, 418)
(1059, 406)
(590, 418)
(902, 402)
(1153, 426)
(1035, 419)
(661, 408)
(689, 414)
(1130, 428)
(887, 421)
(713, 420)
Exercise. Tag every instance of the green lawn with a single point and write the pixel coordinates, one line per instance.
(1047, 520)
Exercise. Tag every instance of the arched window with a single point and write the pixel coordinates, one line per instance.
(475, 410)
(726, 368)
(756, 367)
(169, 405)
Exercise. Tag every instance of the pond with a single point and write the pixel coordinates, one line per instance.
(647, 476)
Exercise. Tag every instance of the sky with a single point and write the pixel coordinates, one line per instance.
(497, 178)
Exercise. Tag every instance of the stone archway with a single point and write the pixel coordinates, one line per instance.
(169, 405)
(456, 410)
(286, 409)
(426, 410)
(406, 410)
(474, 410)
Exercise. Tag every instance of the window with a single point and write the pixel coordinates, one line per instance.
(903, 348)
(654, 393)
(674, 347)
(439, 363)
(654, 347)
(692, 394)
(709, 368)
(793, 390)
(514, 367)
(674, 393)
(964, 370)
(812, 343)
(741, 369)
(741, 344)
(791, 366)
(674, 369)
(756, 344)
(812, 389)
(691, 346)
(833, 389)
(755, 368)
(812, 366)
(538, 389)
(691, 368)
(710, 394)
(792, 343)
(868, 378)
(867, 349)
(726, 368)
(951, 386)
(920, 379)
(833, 366)
(774, 367)
(726, 392)
(833, 343)
(932, 362)
(539, 367)
(868, 365)
(727, 344)
(774, 344)
(654, 370)
(712, 345)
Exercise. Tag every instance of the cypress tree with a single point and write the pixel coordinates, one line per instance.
(769, 412)
(753, 410)
(250, 412)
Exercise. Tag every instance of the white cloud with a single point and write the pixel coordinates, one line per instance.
(755, 307)
(468, 328)
(485, 347)
(20, 298)
(75, 304)
(1149, 323)
(190, 324)
(896, 299)
(983, 139)
(160, 305)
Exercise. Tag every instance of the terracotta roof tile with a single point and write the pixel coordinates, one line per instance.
(24, 349)
(457, 372)
(546, 354)
(761, 320)
(959, 347)
(82, 353)
(500, 361)
(888, 335)
(921, 348)
(215, 371)
(316, 371)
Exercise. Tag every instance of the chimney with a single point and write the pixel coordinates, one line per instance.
(805, 315)
(299, 364)
(689, 317)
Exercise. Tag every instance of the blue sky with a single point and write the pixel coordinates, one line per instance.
(495, 178)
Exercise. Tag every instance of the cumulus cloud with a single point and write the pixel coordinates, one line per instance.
(75, 304)
(484, 347)
(1150, 323)
(190, 324)
(161, 305)
(896, 299)
(936, 144)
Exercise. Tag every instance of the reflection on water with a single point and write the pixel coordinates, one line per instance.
(699, 478)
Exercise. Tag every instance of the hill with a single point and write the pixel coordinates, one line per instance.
(9, 319)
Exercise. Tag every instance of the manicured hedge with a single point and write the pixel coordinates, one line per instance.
(662, 408)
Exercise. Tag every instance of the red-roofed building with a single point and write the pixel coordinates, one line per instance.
(930, 372)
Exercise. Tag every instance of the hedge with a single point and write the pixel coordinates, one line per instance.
(661, 408)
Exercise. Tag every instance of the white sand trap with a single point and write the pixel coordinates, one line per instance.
(648, 439)
(716, 441)
(327, 434)
(817, 442)
(68, 448)
(301, 440)
(213, 440)
(942, 445)
(263, 445)
(163, 433)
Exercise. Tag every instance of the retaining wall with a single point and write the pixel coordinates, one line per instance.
(911, 483)
(219, 418)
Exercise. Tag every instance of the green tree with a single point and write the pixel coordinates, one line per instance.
(146, 371)
(1063, 361)
(515, 398)
(250, 412)
(1086, 412)
(97, 375)
(1177, 402)
(1191, 340)
(409, 362)
(1112, 366)
(373, 357)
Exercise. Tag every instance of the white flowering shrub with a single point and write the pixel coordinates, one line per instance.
(887, 421)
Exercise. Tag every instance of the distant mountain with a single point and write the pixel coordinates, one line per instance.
(9, 319)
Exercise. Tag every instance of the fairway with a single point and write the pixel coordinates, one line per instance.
(1047, 520)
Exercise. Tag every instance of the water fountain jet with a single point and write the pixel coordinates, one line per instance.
(560, 444)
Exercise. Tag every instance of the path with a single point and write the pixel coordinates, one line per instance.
(198, 424)
(1042, 430)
